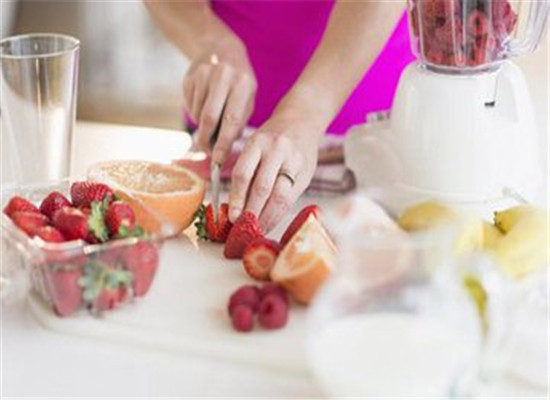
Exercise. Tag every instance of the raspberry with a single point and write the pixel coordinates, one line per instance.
(247, 295)
(242, 318)
(477, 24)
(273, 312)
(273, 288)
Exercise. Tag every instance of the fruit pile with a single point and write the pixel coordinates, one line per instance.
(98, 279)
(460, 33)
(298, 263)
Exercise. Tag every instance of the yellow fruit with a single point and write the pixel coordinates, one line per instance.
(506, 219)
(424, 216)
(524, 248)
(479, 296)
(164, 197)
(430, 215)
(491, 234)
(306, 261)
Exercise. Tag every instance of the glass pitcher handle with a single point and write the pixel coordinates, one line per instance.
(539, 10)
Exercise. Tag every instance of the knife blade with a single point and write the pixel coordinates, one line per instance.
(215, 169)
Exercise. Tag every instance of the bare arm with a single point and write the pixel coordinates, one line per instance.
(220, 78)
(356, 32)
(190, 25)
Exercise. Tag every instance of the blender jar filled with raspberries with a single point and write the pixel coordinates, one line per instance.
(471, 35)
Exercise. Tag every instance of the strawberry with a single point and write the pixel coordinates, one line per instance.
(72, 223)
(29, 221)
(208, 228)
(142, 260)
(66, 292)
(245, 230)
(117, 215)
(259, 257)
(297, 223)
(53, 202)
(17, 204)
(49, 234)
(86, 192)
(107, 299)
(75, 224)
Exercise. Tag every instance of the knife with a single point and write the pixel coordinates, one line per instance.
(215, 169)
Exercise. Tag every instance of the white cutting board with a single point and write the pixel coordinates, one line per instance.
(185, 312)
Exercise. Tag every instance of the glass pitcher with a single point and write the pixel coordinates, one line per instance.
(405, 316)
(474, 35)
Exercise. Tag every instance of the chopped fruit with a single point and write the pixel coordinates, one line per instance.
(18, 204)
(72, 223)
(119, 214)
(247, 295)
(53, 202)
(273, 312)
(84, 193)
(242, 318)
(306, 261)
(164, 198)
(208, 228)
(245, 230)
(477, 24)
(273, 288)
(259, 257)
(66, 292)
(49, 234)
(29, 222)
(297, 222)
(142, 260)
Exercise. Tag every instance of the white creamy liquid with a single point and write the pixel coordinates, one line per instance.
(389, 355)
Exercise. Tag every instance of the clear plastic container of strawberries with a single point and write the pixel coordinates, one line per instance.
(462, 35)
(79, 243)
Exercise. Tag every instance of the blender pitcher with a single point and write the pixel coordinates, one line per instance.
(472, 35)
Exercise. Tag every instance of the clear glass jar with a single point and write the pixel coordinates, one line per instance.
(473, 35)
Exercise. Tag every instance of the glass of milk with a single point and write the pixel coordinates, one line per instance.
(396, 320)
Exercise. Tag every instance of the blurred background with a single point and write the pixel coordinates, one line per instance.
(128, 72)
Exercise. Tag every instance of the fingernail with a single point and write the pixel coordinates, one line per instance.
(234, 213)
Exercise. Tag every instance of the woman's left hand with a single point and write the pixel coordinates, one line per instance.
(275, 167)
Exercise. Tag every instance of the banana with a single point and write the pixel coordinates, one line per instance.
(491, 234)
(424, 216)
(429, 215)
(524, 248)
(506, 219)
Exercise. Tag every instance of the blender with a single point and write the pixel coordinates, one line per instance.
(462, 128)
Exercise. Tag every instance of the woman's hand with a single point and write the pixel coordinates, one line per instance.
(220, 80)
(275, 167)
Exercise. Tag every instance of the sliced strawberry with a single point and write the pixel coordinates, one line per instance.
(119, 214)
(297, 223)
(210, 229)
(29, 222)
(107, 299)
(53, 202)
(18, 204)
(245, 230)
(259, 257)
(142, 260)
(49, 234)
(86, 192)
(65, 290)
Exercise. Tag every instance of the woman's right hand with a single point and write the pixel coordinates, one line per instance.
(220, 79)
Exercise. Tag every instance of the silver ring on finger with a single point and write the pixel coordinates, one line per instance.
(288, 175)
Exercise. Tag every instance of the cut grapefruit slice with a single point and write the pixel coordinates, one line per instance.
(306, 261)
(164, 197)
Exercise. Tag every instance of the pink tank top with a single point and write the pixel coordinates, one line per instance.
(281, 36)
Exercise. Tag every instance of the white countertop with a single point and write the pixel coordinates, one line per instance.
(39, 362)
